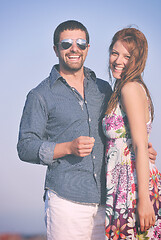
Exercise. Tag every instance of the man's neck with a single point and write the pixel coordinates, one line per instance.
(75, 79)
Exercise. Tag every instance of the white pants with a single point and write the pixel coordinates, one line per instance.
(66, 220)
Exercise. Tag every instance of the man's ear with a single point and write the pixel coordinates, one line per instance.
(56, 50)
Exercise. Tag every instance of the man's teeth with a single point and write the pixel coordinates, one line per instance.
(73, 57)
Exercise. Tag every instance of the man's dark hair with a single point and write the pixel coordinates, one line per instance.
(69, 25)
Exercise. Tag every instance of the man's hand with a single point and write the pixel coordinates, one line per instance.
(152, 153)
(82, 146)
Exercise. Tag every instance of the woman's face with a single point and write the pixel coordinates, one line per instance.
(119, 58)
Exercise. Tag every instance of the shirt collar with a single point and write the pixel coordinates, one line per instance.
(55, 75)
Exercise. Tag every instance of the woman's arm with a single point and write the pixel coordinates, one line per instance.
(134, 102)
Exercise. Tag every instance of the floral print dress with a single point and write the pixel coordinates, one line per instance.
(121, 182)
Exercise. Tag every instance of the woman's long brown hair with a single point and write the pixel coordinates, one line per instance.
(136, 44)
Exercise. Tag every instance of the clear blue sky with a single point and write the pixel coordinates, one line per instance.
(26, 58)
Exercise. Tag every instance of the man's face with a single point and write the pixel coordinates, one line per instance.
(71, 59)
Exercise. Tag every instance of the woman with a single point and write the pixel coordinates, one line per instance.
(133, 183)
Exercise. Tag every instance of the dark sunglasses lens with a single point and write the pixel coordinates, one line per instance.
(82, 44)
(66, 45)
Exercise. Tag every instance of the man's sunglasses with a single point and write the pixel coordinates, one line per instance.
(67, 43)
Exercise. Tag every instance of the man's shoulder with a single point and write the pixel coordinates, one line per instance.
(40, 93)
(45, 85)
(103, 82)
(42, 88)
(103, 86)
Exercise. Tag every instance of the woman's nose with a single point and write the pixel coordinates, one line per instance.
(119, 59)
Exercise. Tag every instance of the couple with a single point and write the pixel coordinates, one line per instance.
(64, 126)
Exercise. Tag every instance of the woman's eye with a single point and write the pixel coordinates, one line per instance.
(114, 53)
(127, 57)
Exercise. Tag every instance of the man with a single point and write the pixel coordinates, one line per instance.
(61, 128)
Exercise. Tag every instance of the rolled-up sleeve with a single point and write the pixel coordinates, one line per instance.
(33, 146)
(46, 153)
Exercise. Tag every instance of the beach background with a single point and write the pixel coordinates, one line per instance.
(26, 58)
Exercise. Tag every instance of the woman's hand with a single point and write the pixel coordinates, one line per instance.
(145, 214)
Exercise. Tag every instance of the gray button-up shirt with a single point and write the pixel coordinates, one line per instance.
(55, 113)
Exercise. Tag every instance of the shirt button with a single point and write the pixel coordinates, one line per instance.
(90, 120)
(94, 157)
(95, 175)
